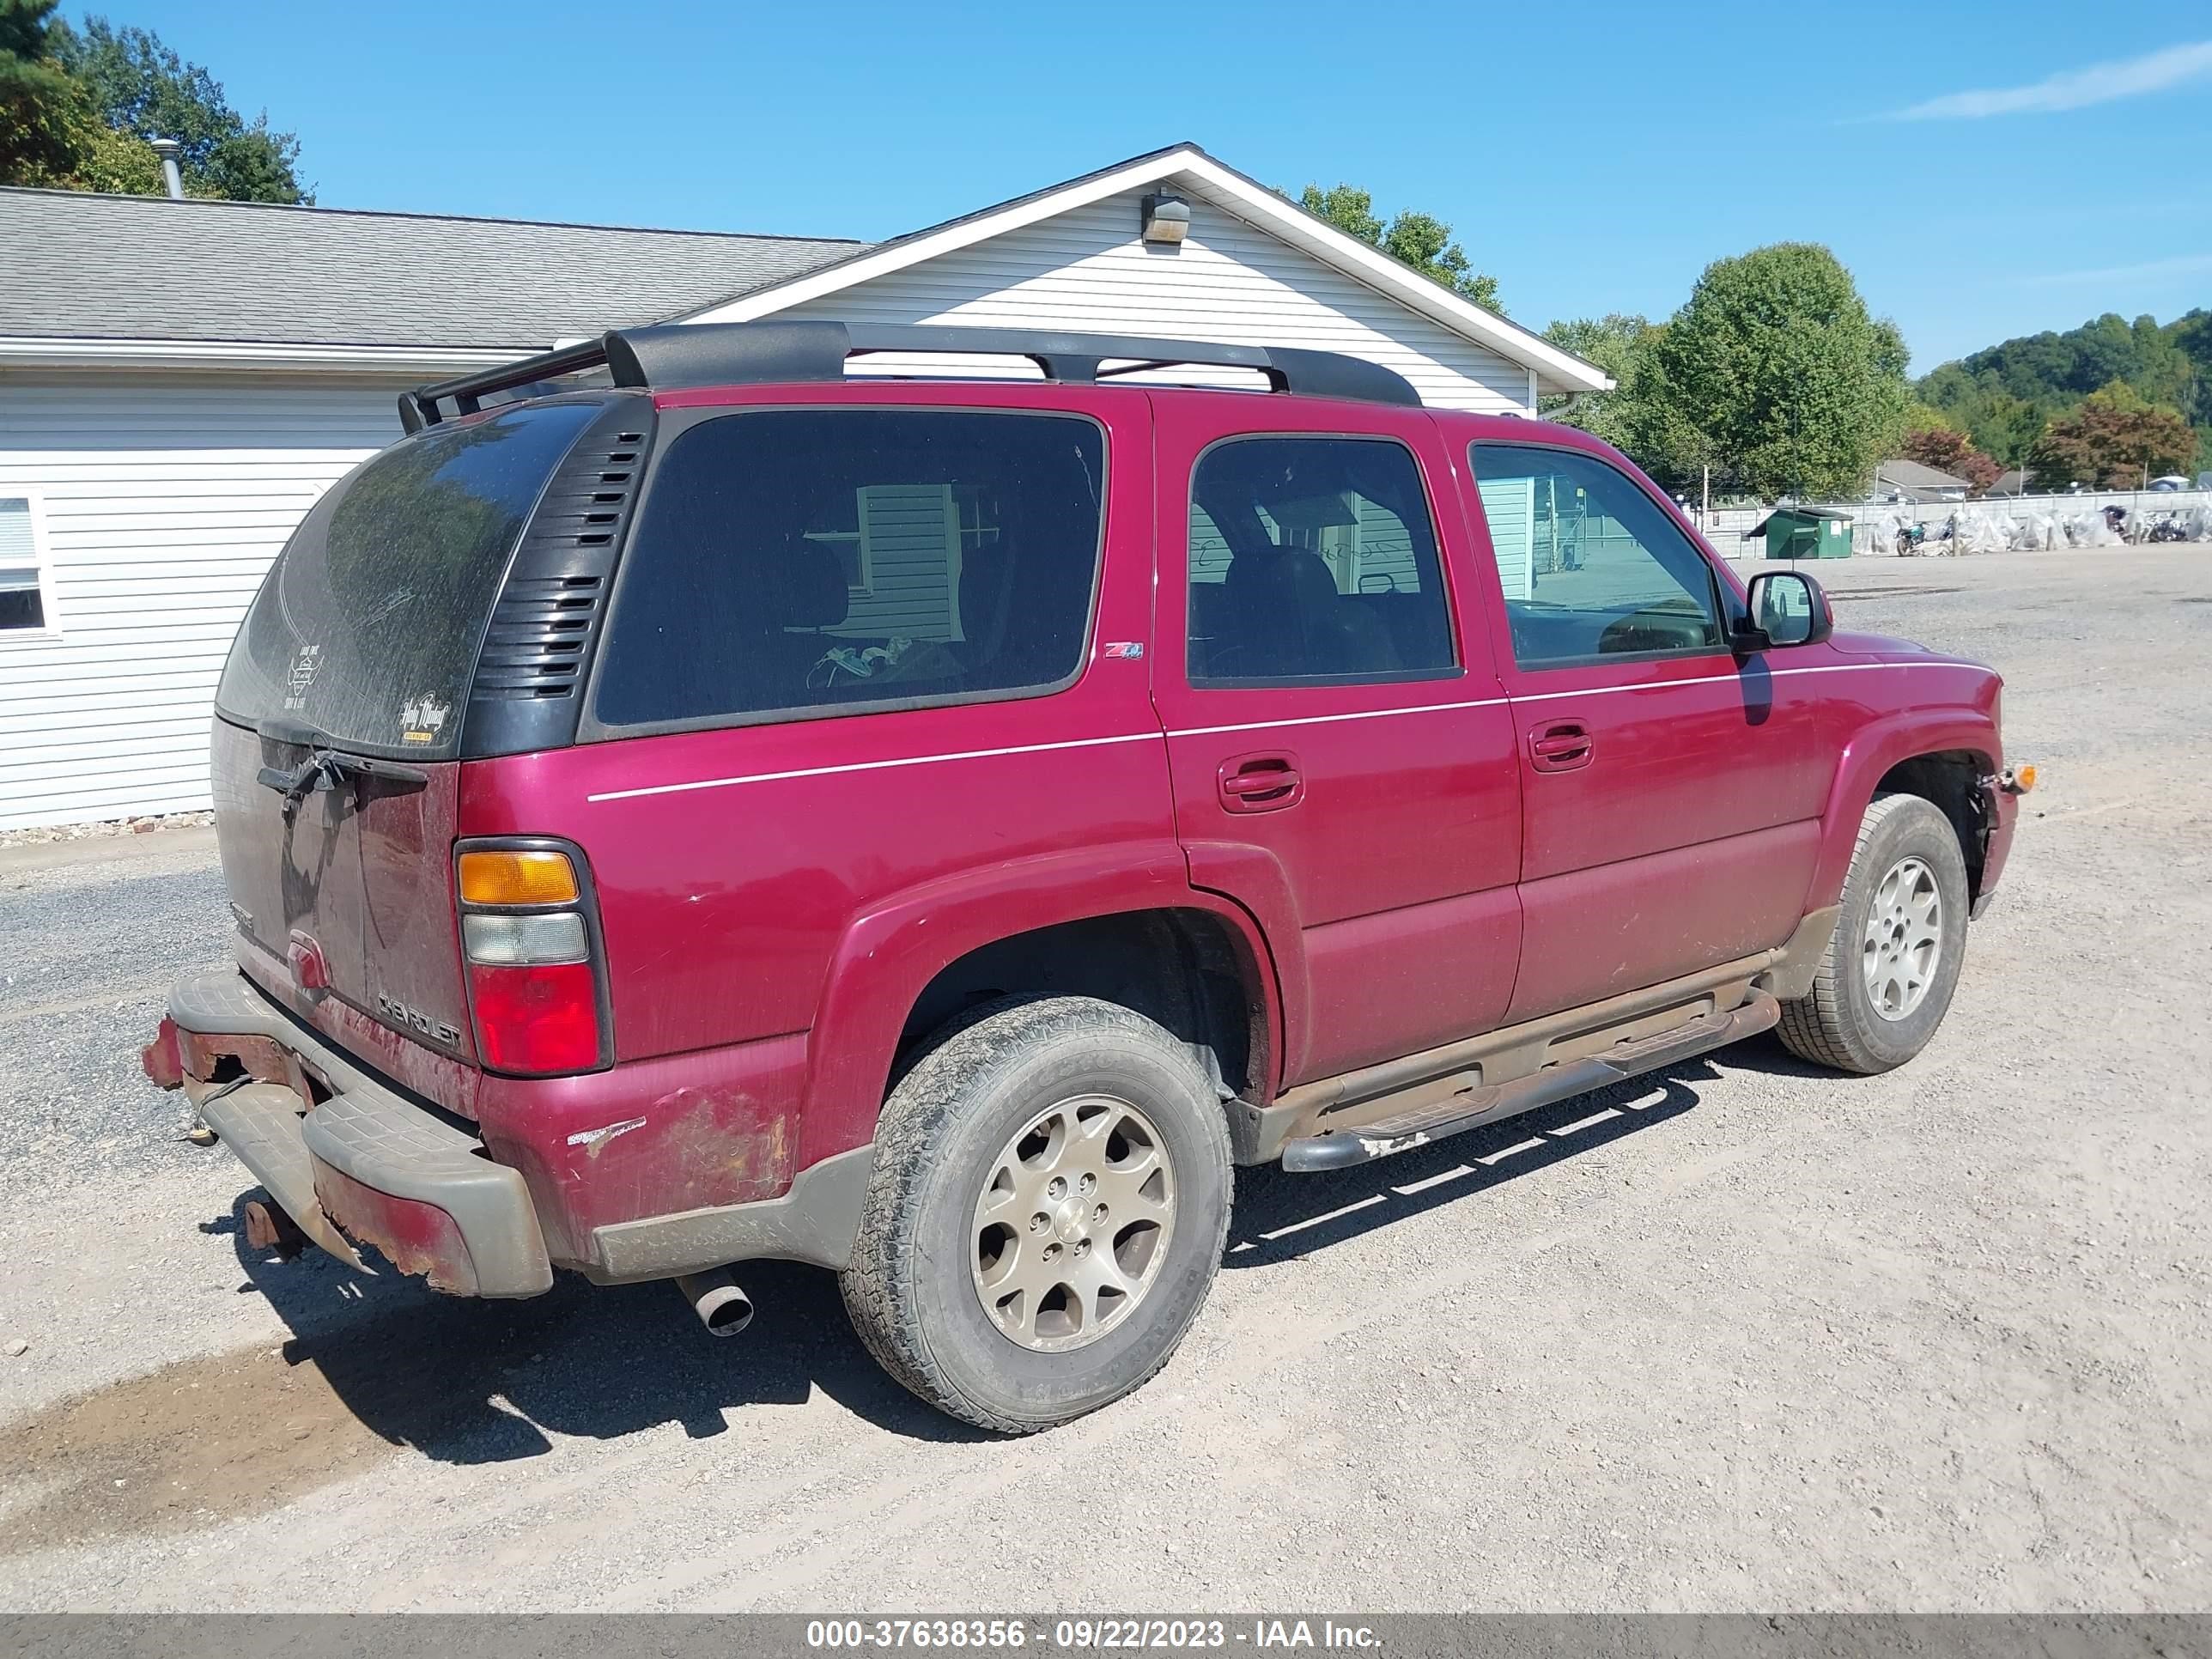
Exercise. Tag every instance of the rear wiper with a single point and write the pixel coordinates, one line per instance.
(327, 769)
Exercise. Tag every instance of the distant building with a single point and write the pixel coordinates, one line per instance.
(1909, 482)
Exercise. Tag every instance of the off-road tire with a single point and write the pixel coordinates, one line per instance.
(909, 1287)
(1836, 1024)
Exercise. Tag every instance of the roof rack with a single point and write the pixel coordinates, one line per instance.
(679, 354)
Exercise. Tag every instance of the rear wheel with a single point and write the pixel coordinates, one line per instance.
(1046, 1214)
(1886, 980)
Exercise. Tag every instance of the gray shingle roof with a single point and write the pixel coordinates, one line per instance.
(82, 266)
(1913, 476)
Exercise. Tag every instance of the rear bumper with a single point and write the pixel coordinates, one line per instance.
(368, 1163)
(381, 1168)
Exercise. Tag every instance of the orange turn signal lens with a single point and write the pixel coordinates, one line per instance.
(2020, 779)
(518, 878)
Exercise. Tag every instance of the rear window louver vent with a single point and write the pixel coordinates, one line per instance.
(535, 648)
(541, 633)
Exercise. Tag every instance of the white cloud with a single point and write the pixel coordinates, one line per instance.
(2099, 83)
(2187, 264)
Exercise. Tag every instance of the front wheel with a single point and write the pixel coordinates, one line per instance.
(1885, 980)
(1046, 1214)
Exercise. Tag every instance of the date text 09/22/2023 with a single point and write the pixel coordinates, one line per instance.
(1084, 1635)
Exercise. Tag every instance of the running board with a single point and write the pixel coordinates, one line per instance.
(1471, 1108)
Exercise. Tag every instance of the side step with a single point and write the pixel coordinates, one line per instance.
(1339, 1149)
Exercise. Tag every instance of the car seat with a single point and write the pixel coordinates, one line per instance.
(1288, 622)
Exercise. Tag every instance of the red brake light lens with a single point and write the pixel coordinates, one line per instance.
(542, 1019)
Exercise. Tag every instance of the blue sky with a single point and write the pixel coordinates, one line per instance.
(1595, 156)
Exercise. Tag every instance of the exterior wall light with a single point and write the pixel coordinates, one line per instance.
(1167, 220)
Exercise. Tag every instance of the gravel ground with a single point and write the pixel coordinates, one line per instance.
(1741, 1335)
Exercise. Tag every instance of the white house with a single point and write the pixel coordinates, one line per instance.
(179, 380)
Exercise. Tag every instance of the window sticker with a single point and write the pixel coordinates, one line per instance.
(422, 718)
(305, 661)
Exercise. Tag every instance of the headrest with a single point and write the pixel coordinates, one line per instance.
(1289, 573)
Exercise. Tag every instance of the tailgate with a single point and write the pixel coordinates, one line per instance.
(352, 888)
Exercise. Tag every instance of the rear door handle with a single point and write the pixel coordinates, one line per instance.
(1560, 746)
(1260, 783)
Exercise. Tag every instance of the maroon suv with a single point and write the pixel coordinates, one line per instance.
(682, 805)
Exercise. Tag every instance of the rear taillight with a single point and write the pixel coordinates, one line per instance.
(536, 969)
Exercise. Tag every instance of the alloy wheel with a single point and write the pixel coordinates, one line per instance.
(1904, 939)
(1074, 1222)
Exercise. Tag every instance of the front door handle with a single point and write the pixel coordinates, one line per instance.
(1260, 783)
(1560, 746)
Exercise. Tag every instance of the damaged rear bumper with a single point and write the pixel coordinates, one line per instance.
(364, 1163)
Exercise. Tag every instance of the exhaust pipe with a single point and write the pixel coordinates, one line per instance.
(722, 1307)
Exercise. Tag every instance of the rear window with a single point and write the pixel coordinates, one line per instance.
(368, 626)
(797, 561)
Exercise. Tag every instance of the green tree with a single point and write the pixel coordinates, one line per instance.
(1775, 373)
(1418, 240)
(2005, 427)
(2004, 396)
(1616, 343)
(43, 112)
(119, 163)
(2112, 439)
(1933, 442)
(142, 89)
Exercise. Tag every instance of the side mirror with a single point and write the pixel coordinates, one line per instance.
(1783, 608)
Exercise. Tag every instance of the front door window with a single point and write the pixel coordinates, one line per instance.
(1593, 569)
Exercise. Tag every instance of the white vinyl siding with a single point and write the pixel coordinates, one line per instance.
(165, 500)
(1382, 552)
(1209, 548)
(910, 550)
(1509, 506)
(1087, 271)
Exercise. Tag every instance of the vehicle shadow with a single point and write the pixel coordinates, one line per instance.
(1280, 1216)
(467, 1381)
(470, 1382)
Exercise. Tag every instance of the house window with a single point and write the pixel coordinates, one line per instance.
(838, 529)
(26, 601)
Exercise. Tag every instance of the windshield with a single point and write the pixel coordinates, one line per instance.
(367, 628)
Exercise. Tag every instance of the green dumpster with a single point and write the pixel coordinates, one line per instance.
(1804, 533)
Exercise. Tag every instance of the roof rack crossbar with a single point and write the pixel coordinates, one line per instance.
(419, 408)
(674, 355)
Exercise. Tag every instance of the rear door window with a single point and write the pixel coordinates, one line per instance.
(803, 561)
(367, 626)
(1313, 559)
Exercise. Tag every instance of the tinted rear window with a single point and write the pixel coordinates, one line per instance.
(367, 628)
(813, 560)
